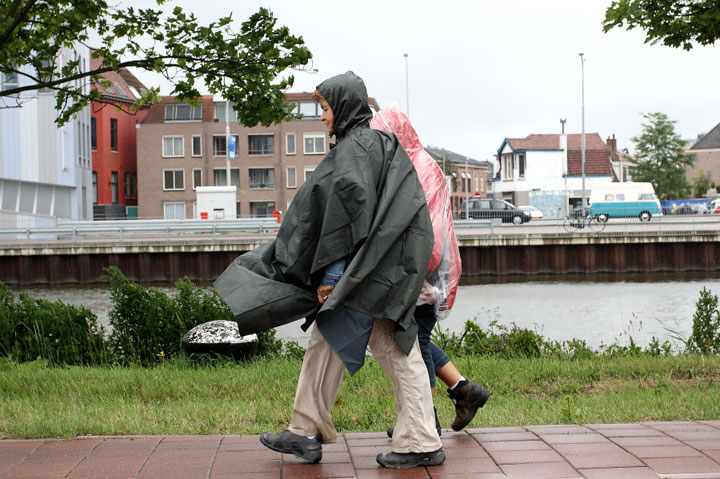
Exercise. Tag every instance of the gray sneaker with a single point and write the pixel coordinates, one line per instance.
(396, 460)
(290, 443)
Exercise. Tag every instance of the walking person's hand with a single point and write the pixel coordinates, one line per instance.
(323, 292)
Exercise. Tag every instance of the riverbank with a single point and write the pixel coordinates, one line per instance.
(222, 398)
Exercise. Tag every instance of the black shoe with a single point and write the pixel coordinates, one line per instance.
(289, 443)
(390, 430)
(396, 460)
(468, 397)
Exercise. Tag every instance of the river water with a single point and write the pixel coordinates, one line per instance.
(598, 309)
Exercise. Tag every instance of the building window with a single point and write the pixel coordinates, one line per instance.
(220, 145)
(220, 112)
(290, 143)
(220, 177)
(291, 177)
(173, 180)
(174, 211)
(113, 134)
(183, 112)
(262, 178)
(462, 175)
(94, 187)
(314, 143)
(114, 186)
(308, 172)
(172, 146)
(196, 145)
(261, 144)
(521, 166)
(130, 184)
(308, 109)
(197, 177)
(8, 81)
(507, 167)
(262, 208)
(93, 133)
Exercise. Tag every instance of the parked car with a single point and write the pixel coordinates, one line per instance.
(535, 213)
(486, 208)
(692, 209)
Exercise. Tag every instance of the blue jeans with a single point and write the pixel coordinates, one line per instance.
(434, 357)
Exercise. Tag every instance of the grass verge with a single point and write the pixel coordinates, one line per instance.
(181, 397)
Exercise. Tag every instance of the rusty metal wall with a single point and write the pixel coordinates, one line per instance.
(477, 260)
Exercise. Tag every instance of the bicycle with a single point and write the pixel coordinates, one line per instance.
(593, 223)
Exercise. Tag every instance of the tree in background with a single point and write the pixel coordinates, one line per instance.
(675, 23)
(700, 184)
(660, 157)
(246, 67)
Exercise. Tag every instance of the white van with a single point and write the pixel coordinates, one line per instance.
(624, 200)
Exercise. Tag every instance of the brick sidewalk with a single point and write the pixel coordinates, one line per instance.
(676, 450)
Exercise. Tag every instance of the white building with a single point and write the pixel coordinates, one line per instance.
(546, 171)
(45, 170)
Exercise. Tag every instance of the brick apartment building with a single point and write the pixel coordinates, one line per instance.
(467, 177)
(180, 147)
(113, 138)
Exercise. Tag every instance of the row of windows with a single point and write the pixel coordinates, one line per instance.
(225, 111)
(508, 166)
(258, 178)
(113, 133)
(130, 186)
(34, 198)
(176, 210)
(258, 145)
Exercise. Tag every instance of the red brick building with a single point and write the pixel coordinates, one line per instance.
(113, 142)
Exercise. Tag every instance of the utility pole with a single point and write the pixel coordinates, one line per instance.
(407, 91)
(582, 147)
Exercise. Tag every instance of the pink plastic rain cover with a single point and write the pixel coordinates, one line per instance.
(445, 268)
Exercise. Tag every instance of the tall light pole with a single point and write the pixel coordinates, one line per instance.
(407, 91)
(582, 141)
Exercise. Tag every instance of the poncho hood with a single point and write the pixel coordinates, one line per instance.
(347, 96)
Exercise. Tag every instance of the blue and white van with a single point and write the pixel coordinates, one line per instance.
(624, 200)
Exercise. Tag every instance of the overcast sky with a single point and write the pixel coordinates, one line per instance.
(481, 71)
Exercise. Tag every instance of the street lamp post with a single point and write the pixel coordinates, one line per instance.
(582, 141)
(407, 91)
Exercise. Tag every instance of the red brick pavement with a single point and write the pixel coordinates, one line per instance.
(668, 450)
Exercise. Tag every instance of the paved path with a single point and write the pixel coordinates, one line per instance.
(675, 450)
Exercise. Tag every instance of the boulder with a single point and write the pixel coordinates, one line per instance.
(219, 338)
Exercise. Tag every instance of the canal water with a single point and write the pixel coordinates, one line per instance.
(599, 309)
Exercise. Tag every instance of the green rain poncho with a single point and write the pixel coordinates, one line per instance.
(364, 202)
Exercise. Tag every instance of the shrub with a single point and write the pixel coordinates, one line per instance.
(53, 331)
(705, 337)
(148, 325)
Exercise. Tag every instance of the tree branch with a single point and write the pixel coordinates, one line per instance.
(18, 20)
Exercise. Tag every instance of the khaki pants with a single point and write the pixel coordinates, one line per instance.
(321, 374)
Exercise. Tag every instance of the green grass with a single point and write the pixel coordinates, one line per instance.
(181, 397)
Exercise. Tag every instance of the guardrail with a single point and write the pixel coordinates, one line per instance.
(121, 228)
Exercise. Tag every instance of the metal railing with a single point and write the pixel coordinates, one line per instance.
(120, 229)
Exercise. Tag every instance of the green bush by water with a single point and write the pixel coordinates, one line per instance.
(148, 325)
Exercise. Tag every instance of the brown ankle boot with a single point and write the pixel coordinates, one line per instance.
(468, 397)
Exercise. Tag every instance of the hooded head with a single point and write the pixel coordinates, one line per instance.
(347, 96)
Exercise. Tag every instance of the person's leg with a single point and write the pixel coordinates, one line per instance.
(415, 441)
(425, 319)
(318, 385)
(467, 396)
(320, 377)
(444, 368)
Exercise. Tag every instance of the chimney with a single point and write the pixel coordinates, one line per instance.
(612, 145)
